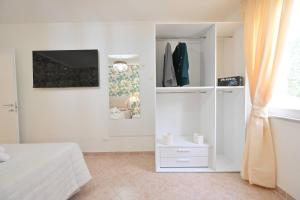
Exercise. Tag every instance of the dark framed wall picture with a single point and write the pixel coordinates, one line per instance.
(65, 68)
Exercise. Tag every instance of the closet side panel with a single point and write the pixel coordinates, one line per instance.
(207, 124)
(220, 57)
(226, 55)
(220, 125)
(239, 127)
(238, 49)
(231, 101)
(160, 50)
(178, 114)
(230, 129)
(207, 58)
(230, 120)
(230, 55)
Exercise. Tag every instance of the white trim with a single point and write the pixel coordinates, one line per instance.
(284, 113)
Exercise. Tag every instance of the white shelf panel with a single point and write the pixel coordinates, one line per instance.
(183, 89)
(224, 164)
(181, 141)
(230, 87)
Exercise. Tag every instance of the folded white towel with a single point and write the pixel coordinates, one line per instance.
(4, 157)
(2, 149)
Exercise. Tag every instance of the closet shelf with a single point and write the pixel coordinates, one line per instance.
(183, 89)
(230, 87)
(181, 141)
(225, 164)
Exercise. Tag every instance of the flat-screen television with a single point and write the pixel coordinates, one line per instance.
(65, 68)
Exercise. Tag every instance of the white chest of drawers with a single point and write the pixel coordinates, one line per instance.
(183, 154)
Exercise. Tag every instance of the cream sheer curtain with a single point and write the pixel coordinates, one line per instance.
(265, 24)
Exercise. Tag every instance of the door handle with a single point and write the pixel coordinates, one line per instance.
(8, 105)
(16, 107)
(183, 150)
(183, 160)
(11, 107)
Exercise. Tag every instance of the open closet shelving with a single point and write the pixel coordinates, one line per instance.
(215, 50)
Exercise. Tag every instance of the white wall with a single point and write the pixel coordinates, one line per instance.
(81, 114)
(286, 138)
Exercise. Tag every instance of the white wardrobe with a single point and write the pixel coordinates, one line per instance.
(215, 50)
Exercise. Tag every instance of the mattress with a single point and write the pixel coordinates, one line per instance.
(42, 171)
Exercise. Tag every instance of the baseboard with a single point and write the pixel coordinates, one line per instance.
(284, 194)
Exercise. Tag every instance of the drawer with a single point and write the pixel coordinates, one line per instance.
(184, 162)
(185, 151)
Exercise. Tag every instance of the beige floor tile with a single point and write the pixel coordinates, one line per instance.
(131, 176)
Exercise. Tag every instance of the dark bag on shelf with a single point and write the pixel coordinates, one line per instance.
(231, 81)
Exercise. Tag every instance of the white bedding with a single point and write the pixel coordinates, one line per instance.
(42, 171)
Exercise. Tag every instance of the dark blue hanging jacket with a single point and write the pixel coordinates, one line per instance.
(181, 64)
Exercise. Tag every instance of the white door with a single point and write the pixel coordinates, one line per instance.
(9, 123)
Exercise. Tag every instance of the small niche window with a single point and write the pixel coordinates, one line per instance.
(124, 91)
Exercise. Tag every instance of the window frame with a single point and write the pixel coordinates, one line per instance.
(284, 113)
(280, 110)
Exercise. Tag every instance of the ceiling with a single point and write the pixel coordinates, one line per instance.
(227, 29)
(180, 30)
(40, 11)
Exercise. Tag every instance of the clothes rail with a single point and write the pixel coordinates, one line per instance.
(195, 92)
(227, 91)
(181, 38)
(191, 38)
(225, 37)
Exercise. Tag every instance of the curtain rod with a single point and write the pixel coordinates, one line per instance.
(178, 92)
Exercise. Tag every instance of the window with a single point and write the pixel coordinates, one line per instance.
(286, 98)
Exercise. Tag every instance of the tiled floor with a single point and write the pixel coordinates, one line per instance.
(131, 176)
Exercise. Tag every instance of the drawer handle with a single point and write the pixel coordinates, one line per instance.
(183, 160)
(183, 150)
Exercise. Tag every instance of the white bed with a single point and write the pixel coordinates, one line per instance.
(42, 171)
